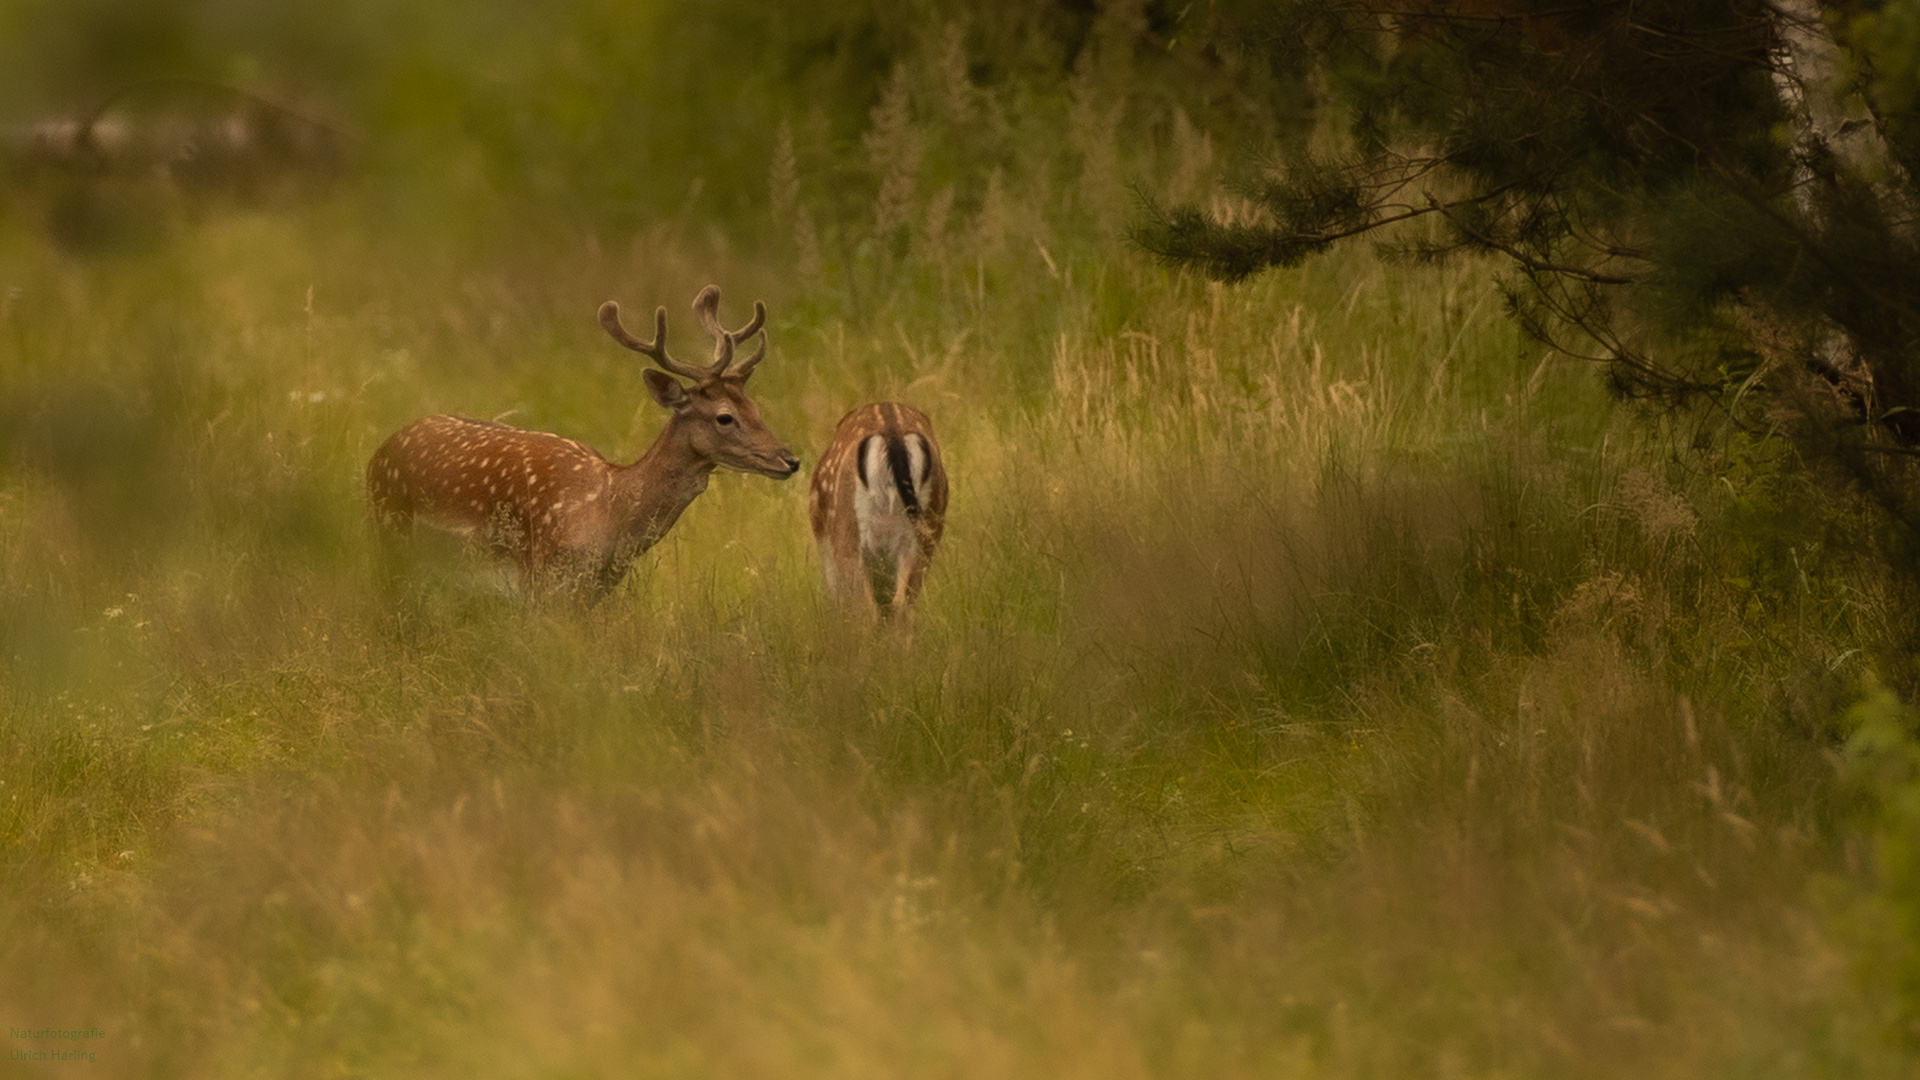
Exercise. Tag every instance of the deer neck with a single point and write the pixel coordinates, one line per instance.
(648, 496)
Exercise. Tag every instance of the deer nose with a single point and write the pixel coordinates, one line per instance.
(792, 463)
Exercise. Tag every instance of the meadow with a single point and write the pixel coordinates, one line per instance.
(1318, 678)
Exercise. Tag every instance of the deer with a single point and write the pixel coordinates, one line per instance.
(878, 505)
(565, 516)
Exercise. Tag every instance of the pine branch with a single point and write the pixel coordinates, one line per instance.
(1521, 257)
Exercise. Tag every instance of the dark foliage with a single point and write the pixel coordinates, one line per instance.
(1710, 197)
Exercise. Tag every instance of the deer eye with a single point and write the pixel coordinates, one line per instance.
(723, 419)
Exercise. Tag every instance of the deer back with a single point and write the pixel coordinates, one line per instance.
(527, 493)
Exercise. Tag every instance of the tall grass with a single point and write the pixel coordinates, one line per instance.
(1316, 680)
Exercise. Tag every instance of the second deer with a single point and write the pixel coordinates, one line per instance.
(878, 504)
(565, 516)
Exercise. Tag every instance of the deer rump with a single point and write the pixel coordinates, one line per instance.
(894, 470)
(879, 506)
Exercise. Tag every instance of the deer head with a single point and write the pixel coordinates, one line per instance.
(722, 424)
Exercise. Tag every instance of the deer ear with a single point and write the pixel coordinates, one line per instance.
(666, 390)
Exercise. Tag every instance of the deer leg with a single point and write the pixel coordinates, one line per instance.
(840, 578)
(880, 580)
(906, 581)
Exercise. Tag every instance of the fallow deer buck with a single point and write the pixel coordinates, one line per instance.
(564, 515)
(878, 504)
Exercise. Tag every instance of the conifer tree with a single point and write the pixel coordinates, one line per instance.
(1712, 198)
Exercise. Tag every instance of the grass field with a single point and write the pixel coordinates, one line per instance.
(1317, 680)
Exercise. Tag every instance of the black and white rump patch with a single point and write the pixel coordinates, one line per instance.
(902, 459)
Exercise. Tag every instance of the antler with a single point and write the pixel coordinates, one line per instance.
(746, 366)
(657, 348)
(706, 308)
